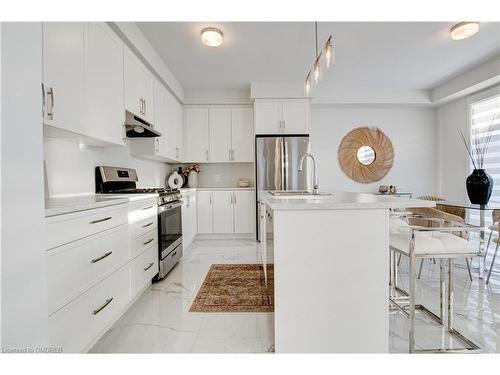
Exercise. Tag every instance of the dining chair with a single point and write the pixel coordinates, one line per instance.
(428, 242)
(495, 234)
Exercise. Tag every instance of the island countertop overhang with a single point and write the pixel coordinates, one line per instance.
(341, 200)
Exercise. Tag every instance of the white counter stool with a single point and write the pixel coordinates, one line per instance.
(495, 234)
(418, 242)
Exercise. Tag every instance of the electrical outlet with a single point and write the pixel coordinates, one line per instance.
(218, 178)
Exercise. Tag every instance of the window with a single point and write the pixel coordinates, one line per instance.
(485, 122)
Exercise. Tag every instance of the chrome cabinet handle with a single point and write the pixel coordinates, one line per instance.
(229, 157)
(145, 107)
(148, 241)
(43, 100)
(206, 154)
(147, 208)
(95, 260)
(149, 266)
(210, 198)
(50, 115)
(234, 194)
(100, 220)
(232, 155)
(147, 225)
(103, 306)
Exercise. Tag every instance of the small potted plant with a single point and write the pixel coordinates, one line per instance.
(191, 172)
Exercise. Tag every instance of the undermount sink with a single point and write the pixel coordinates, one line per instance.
(298, 194)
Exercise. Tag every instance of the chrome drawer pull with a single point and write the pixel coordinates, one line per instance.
(148, 267)
(147, 225)
(147, 208)
(103, 306)
(95, 260)
(101, 220)
(148, 241)
(174, 253)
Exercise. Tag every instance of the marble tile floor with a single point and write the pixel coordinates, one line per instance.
(160, 321)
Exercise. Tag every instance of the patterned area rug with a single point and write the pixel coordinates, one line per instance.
(235, 288)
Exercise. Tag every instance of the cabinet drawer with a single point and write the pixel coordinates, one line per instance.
(142, 210)
(147, 240)
(143, 226)
(63, 229)
(78, 324)
(144, 268)
(75, 267)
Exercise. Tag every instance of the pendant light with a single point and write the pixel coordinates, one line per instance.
(315, 72)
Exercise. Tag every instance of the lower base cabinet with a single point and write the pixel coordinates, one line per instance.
(82, 320)
(226, 211)
(144, 268)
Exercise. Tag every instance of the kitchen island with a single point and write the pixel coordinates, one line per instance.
(331, 269)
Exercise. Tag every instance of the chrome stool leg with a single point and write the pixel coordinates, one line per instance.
(492, 262)
(487, 245)
(420, 268)
(442, 289)
(412, 281)
(468, 268)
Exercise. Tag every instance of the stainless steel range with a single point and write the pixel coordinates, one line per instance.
(113, 180)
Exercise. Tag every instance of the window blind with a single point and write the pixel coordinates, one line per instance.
(483, 114)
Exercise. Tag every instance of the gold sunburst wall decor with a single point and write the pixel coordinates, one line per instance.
(366, 154)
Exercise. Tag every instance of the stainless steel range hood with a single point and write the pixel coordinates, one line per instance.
(136, 127)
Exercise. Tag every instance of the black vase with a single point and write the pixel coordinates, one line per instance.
(479, 186)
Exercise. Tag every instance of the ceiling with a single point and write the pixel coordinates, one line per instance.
(388, 55)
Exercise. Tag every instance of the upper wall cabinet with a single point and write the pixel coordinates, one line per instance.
(63, 75)
(139, 87)
(286, 116)
(104, 83)
(168, 121)
(218, 134)
(83, 81)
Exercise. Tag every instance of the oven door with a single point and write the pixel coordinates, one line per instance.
(169, 227)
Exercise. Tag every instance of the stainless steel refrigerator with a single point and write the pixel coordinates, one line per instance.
(276, 163)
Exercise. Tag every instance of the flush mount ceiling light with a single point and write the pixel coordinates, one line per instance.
(211, 36)
(329, 58)
(464, 30)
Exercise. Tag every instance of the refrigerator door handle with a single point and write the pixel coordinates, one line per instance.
(283, 164)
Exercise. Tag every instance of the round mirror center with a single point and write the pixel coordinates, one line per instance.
(366, 155)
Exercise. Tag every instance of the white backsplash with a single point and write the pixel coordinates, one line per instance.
(70, 167)
(223, 174)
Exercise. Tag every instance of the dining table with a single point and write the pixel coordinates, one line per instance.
(483, 210)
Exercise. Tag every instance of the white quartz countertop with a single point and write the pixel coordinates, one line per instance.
(74, 203)
(340, 200)
(217, 188)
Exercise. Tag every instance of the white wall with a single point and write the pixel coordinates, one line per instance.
(453, 160)
(70, 167)
(23, 273)
(412, 131)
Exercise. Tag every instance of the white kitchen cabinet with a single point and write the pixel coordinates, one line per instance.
(63, 75)
(196, 134)
(219, 134)
(162, 120)
(139, 87)
(244, 211)
(268, 117)
(83, 82)
(219, 120)
(242, 137)
(205, 212)
(226, 211)
(223, 211)
(104, 112)
(179, 129)
(189, 217)
(286, 116)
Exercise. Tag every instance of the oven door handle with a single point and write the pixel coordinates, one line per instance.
(170, 206)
